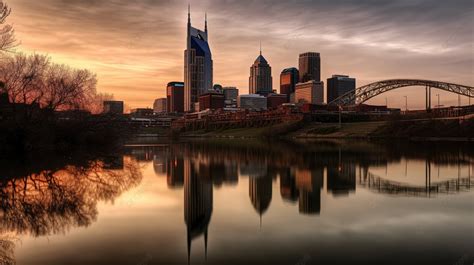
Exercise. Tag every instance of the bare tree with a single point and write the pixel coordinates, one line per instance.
(7, 33)
(67, 88)
(23, 76)
(34, 79)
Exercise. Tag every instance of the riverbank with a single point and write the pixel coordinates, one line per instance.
(430, 129)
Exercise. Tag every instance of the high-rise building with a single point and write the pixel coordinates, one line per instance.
(197, 65)
(159, 106)
(289, 77)
(311, 92)
(260, 80)
(339, 85)
(310, 67)
(175, 97)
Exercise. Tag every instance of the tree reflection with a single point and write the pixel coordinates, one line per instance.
(53, 201)
(50, 202)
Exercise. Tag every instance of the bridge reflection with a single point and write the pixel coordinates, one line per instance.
(380, 185)
(386, 186)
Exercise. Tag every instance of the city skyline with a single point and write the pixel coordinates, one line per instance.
(136, 48)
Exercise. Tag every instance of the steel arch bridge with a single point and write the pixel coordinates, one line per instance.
(369, 91)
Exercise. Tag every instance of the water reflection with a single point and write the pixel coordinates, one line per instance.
(52, 201)
(42, 201)
(301, 170)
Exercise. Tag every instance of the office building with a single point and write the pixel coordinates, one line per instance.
(275, 100)
(230, 93)
(175, 97)
(339, 85)
(260, 80)
(211, 100)
(311, 92)
(197, 65)
(230, 96)
(159, 106)
(252, 102)
(289, 77)
(112, 107)
(310, 67)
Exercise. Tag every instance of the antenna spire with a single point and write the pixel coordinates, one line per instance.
(189, 13)
(205, 22)
(260, 47)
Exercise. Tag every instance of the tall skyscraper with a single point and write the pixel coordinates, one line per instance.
(310, 67)
(289, 77)
(260, 80)
(339, 85)
(197, 65)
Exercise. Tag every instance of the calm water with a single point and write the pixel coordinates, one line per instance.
(242, 202)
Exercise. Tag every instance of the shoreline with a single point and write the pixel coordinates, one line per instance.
(320, 137)
(430, 131)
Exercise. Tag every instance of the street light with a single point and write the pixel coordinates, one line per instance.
(340, 119)
(406, 103)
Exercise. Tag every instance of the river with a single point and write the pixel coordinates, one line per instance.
(242, 202)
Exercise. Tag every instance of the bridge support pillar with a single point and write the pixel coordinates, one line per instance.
(428, 98)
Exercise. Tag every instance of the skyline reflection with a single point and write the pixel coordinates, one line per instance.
(56, 200)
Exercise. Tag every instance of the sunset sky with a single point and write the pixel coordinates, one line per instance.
(136, 46)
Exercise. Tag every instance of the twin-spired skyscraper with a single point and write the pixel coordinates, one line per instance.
(197, 65)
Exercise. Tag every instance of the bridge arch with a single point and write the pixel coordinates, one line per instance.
(369, 91)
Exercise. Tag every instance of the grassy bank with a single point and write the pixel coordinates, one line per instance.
(451, 129)
(448, 129)
(277, 130)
